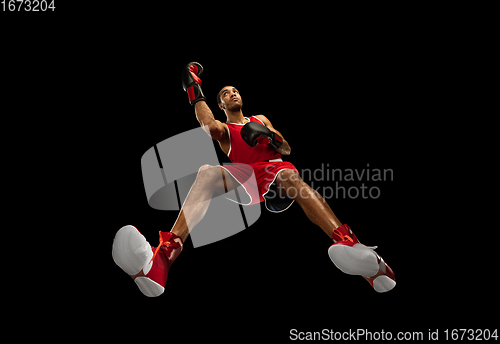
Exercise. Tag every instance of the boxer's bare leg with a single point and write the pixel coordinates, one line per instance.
(210, 179)
(313, 204)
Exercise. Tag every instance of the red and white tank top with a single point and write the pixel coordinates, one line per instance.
(240, 152)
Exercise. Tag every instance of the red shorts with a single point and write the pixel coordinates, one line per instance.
(257, 180)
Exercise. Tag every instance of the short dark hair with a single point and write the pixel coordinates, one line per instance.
(218, 95)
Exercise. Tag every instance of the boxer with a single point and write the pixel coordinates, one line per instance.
(247, 141)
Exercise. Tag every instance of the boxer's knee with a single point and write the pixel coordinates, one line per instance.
(212, 177)
(208, 173)
(205, 168)
(292, 186)
(288, 178)
(289, 183)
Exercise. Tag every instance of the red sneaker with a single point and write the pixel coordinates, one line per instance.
(148, 266)
(354, 258)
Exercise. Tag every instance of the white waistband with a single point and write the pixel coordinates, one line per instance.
(275, 160)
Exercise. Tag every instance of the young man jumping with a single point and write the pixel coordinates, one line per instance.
(251, 142)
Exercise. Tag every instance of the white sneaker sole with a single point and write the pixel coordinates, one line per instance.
(362, 261)
(355, 260)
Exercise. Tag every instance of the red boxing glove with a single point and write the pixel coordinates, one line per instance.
(191, 82)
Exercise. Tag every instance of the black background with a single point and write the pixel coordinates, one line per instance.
(105, 86)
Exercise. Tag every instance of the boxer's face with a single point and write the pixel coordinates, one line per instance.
(230, 99)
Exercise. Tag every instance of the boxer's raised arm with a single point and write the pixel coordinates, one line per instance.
(191, 83)
(205, 117)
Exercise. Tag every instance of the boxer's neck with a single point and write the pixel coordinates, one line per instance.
(235, 117)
